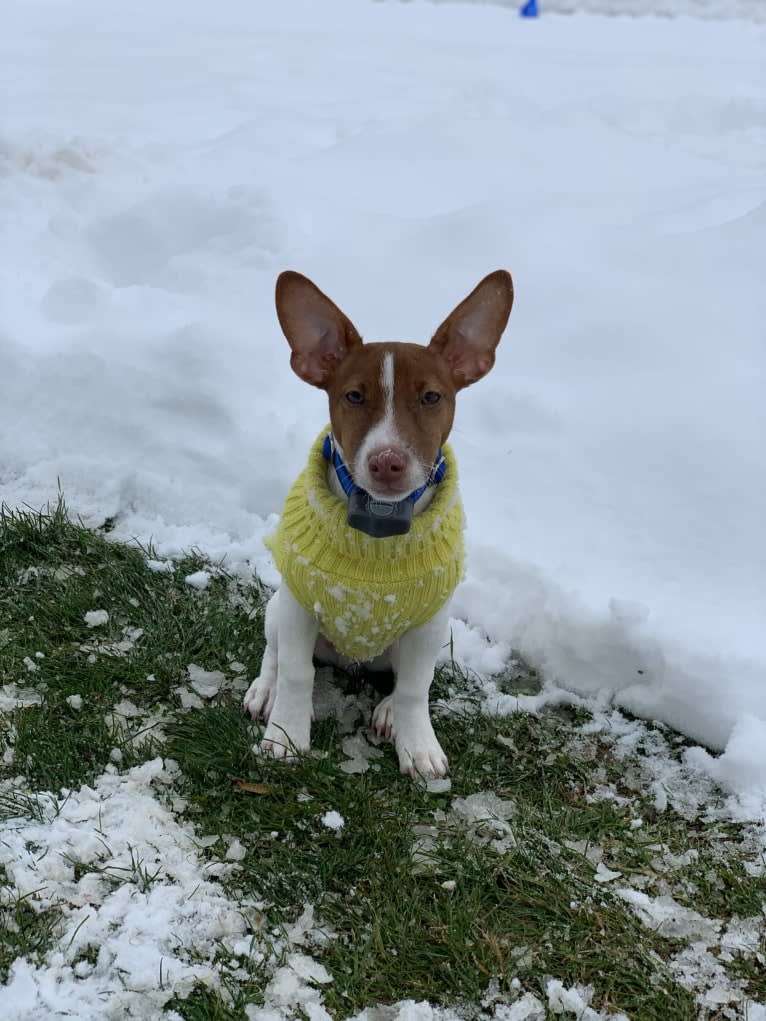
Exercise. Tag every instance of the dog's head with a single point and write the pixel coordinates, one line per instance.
(391, 404)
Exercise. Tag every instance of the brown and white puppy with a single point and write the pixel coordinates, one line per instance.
(391, 408)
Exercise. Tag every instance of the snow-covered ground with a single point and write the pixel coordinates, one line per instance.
(161, 163)
(754, 10)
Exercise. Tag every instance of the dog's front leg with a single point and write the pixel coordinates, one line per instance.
(289, 729)
(259, 697)
(419, 751)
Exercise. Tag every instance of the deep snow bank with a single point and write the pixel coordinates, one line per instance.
(162, 164)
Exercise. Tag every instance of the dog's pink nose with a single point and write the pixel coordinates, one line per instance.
(386, 466)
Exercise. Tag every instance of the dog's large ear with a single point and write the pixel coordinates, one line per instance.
(467, 338)
(319, 334)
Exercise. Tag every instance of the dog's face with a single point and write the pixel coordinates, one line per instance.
(391, 404)
(395, 398)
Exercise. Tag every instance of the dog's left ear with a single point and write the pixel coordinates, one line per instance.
(467, 338)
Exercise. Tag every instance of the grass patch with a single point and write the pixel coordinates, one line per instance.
(414, 899)
(52, 573)
(25, 931)
(398, 932)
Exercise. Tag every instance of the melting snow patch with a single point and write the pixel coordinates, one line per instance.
(670, 918)
(575, 1001)
(482, 806)
(304, 930)
(100, 646)
(410, 1010)
(697, 970)
(96, 618)
(528, 1008)
(698, 966)
(206, 683)
(160, 566)
(333, 820)
(189, 699)
(237, 851)
(486, 815)
(199, 580)
(360, 753)
(125, 710)
(438, 785)
(293, 987)
(605, 875)
(14, 697)
(166, 912)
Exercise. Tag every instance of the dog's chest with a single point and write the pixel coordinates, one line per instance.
(365, 592)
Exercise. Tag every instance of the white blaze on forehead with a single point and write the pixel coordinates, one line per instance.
(387, 386)
(385, 434)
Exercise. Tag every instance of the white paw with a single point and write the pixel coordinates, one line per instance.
(383, 718)
(420, 754)
(259, 698)
(288, 734)
(288, 743)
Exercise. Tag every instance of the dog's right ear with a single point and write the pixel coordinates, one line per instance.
(319, 334)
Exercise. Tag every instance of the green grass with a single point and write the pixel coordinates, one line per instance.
(25, 931)
(52, 572)
(399, 933)
(395, 931)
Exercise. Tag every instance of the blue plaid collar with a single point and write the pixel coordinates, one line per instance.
(331, 454)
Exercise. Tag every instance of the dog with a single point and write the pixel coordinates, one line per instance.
(370, 542)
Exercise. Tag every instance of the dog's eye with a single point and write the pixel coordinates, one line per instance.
(355, 397)
(431, 397)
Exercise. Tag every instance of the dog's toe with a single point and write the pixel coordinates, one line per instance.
(421, 755)
(259, 699)
(431, 765)
(277, 749)
(383, 718)
(288, 743)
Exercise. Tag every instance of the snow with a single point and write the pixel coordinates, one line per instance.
(742, 767)
(665, 915)
(160, 566)
(575, 1001)
(483, 806)
(612, 465)
(236, 851)
(484, 817)
(333, 820)
(750, 9)
(161, 163)
(206, 683)
(604, 874)
(360, 754)
(439, 785)
(167, 910)
(292, 986)
(96, 618)
(199, 580)
(12, 697)
(695, 967)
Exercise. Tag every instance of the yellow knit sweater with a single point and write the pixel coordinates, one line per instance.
(367, 592)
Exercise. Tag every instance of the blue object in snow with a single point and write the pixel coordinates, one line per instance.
(529, 10)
